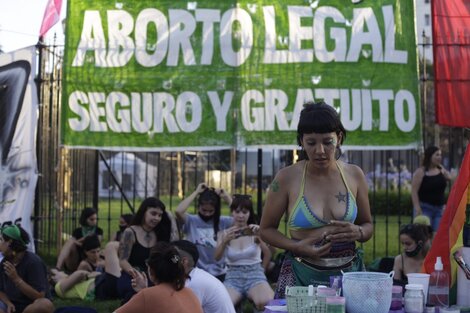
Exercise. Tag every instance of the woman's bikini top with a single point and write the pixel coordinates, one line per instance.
(303, 217)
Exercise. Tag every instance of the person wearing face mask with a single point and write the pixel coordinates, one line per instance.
(124, 222)
(72, 253)
(202, 228)
(413, 238)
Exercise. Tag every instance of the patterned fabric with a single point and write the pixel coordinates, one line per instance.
(286, 279)
(303, 217)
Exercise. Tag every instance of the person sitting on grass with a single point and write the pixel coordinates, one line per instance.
(124, 222)
(413, 238)
(23, 275)
(90, 281)
(202, 228)
(242, 248)
(151, 224)
(210, 291)
(71, 253)
(167, 273)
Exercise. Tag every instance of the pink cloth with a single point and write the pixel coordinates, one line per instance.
(51, 16)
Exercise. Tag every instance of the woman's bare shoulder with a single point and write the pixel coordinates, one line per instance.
(291, 171)
(352, 169)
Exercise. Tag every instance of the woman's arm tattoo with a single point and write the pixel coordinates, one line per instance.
(125, 246)
(275, 186)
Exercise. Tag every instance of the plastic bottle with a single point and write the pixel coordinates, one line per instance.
(335, 304)
(397, 298)
(439, 285)
(414, 298)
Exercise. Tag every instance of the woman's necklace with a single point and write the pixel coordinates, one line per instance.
(148, 236)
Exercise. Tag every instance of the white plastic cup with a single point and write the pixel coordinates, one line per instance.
(422, 279)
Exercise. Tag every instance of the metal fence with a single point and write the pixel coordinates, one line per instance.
(116, 182)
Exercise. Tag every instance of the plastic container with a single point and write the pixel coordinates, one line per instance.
(414, 298)
(299, 301)
(323, 293)
(397, 298)
(463, 284)
(367, 292)
(335, 304)
(438, 294)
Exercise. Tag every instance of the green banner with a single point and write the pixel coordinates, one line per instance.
(178, 75)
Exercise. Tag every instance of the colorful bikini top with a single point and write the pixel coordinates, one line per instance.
(303, 217)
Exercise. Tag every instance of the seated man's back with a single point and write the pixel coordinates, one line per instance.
(210, 291)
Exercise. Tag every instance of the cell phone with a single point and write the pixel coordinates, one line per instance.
(246, 231)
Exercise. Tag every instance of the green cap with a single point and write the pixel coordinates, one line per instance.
(13, 232)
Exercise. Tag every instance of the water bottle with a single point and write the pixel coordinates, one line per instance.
(439, 286)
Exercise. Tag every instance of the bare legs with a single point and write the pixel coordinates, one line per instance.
(67, 282)
(260, 294)
(111, 259)
(42, 305)
(68, 256)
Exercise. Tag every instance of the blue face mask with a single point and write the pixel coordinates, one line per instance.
(413, 253)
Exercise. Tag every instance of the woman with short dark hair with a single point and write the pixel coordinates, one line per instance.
(326, 202)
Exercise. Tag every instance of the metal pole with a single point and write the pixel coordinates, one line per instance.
(424, 80)
(260, 183)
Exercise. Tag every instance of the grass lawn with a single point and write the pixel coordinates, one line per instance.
(108, 306)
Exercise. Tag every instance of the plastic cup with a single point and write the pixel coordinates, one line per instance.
(422, 279)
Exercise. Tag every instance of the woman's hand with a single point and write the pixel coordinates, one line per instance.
(308, 248)
(341, 231)
(201, 187)
(254, 229)
(223, 195)
(138, 281)
(231, 233)
(10, 307)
